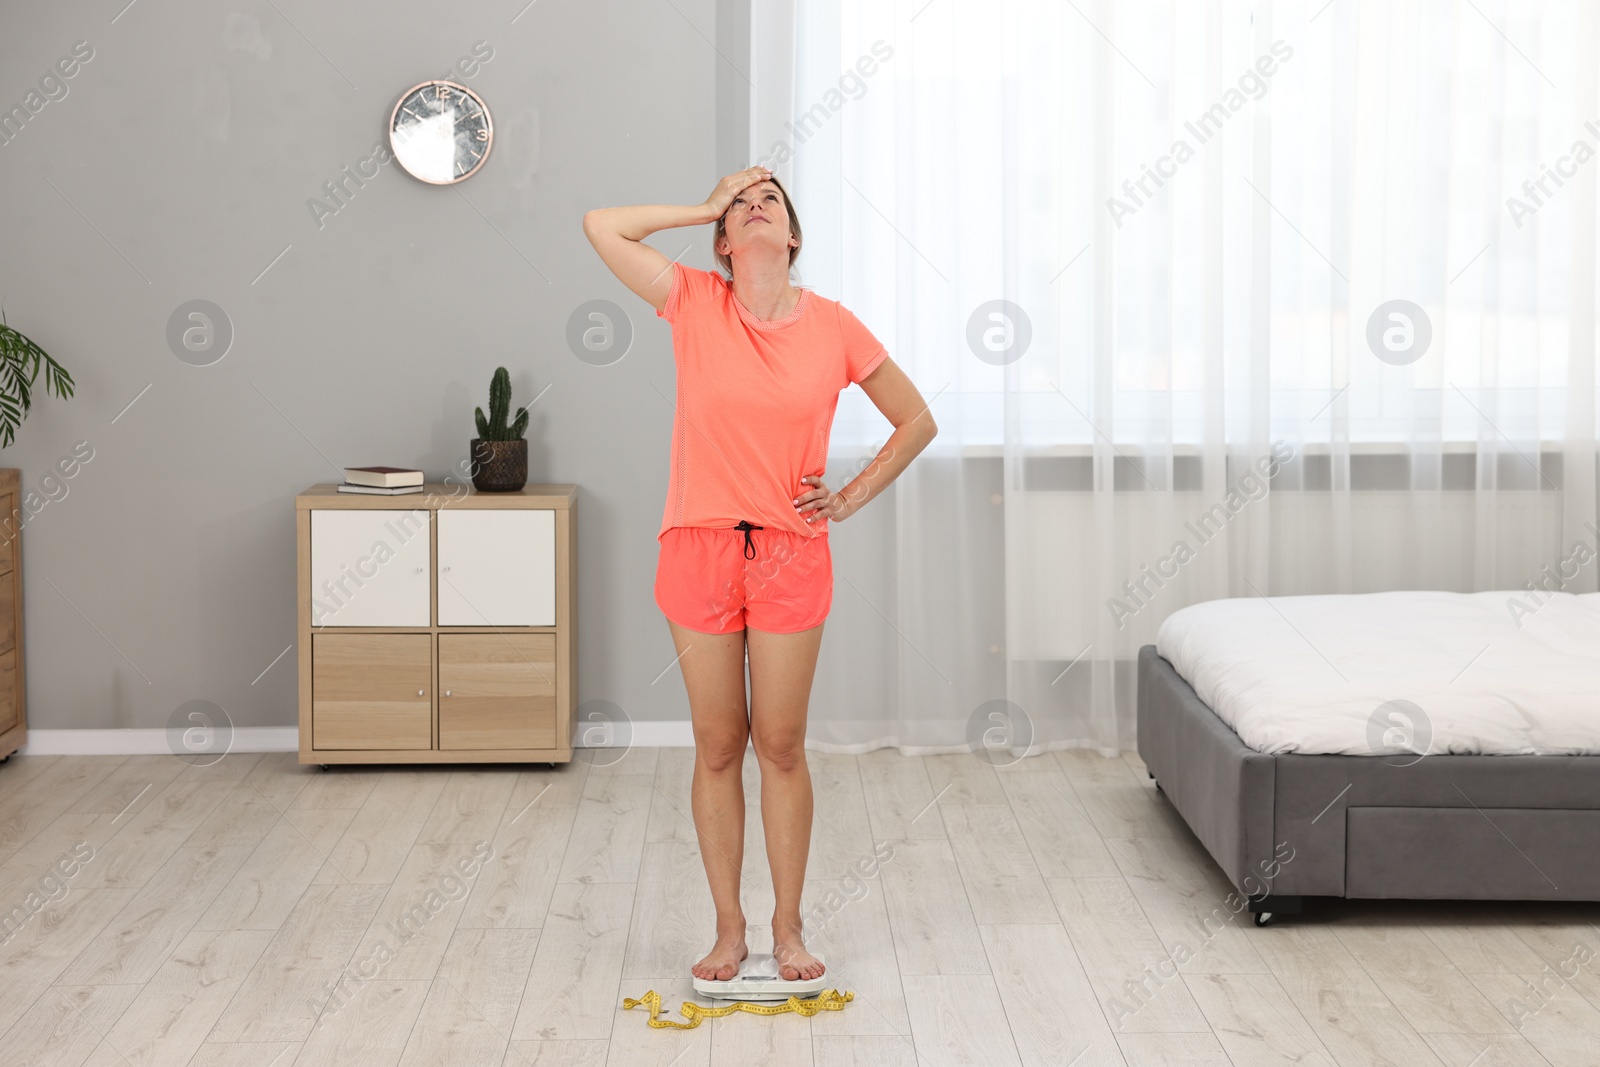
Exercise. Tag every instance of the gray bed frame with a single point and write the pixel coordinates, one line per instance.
(1439, 827)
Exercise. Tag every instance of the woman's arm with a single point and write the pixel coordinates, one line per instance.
(618, 234)
(897, 397)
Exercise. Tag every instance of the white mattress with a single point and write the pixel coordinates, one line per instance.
(1476, 681)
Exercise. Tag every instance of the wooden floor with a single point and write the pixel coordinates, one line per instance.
(1026, 915)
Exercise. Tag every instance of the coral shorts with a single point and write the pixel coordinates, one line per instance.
(718, 581)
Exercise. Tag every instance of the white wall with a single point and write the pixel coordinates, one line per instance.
(179, 165)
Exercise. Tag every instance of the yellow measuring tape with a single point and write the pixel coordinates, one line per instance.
(827, 1000)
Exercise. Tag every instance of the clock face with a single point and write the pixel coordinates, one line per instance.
(440, 132)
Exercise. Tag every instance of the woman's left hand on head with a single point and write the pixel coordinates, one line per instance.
(816, 503)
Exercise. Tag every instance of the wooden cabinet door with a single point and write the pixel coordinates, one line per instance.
(497, 691)
(8, 690)
(369, 568)
(371, 691)
(10, 529)
(497, 567)
(8, 611)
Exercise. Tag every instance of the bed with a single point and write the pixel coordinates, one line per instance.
(1421, 745)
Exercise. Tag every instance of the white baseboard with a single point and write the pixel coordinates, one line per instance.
(675, 734)
(150, 742)
(679, 734)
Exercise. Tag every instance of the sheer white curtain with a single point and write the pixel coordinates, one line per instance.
(1298, 298)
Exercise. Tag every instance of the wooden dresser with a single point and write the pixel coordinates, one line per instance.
(437, 627)
(13, 708)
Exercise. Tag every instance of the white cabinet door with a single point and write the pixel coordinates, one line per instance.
(369, 568)
(497, 567)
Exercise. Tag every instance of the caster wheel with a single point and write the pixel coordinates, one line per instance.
(324, 766)
(6, 759)
(1263, 918)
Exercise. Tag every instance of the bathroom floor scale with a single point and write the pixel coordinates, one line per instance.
(758, 980)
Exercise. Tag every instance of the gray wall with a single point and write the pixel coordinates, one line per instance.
(179, 165)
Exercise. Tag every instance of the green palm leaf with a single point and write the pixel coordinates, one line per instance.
(20, 363)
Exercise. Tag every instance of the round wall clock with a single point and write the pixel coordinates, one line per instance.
(440, 132)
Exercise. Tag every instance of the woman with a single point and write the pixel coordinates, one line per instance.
(744, 567)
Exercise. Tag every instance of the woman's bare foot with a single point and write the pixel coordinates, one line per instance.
(722, 962)
(794, 962)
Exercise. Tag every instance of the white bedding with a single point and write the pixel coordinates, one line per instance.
(1477, 677)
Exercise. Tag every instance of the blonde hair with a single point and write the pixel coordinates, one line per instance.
(721, 230)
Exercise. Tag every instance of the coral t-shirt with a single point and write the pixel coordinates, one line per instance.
(755, 402)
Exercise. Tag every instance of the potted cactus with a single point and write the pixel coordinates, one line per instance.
(499, 452)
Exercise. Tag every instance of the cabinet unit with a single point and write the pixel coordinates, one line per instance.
(437, 627)
(13, 708)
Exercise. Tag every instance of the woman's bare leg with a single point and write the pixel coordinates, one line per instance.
(713, 672)
(781, 669)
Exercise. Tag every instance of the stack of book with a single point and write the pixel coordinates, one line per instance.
(381, 481)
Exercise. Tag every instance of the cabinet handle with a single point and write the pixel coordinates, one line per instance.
(447, 692)
(421, 569)
(445, 568)
(419, 692)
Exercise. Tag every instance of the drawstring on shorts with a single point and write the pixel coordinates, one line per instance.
(749, 545)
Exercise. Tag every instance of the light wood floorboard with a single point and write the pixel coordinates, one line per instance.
(1055, 911)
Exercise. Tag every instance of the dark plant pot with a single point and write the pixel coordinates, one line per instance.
(499, 466)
